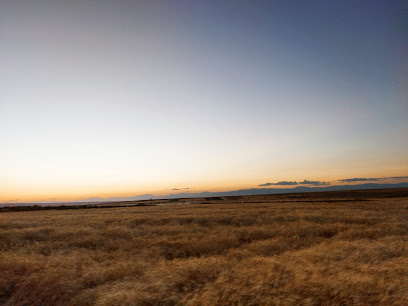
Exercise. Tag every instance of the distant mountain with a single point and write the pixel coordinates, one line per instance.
(254, 191)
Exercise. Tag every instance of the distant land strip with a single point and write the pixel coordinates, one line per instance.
(306, 197)
(241, 192)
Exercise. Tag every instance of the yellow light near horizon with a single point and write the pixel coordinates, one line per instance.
(33, 192)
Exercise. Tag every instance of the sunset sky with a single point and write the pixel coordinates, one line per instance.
(121, 98)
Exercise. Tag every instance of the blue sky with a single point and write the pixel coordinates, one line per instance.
(102, 98)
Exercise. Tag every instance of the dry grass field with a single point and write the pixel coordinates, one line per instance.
(314, 249)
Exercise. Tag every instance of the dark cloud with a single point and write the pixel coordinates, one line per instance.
(372, 179)
(176, 189)
(265, 185)
(281, 183)
(314, 183)
(286, 183)
(361, 179)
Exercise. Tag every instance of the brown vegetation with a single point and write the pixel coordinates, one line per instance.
(287, 251)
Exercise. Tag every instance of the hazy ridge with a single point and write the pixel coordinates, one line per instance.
(240, 192)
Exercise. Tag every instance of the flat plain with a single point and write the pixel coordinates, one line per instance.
(331, 248)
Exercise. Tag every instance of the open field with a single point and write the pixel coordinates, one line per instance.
(321, 248)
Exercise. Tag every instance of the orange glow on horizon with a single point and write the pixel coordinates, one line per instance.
(76, 193)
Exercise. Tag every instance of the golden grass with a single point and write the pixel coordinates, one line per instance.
(228, 253)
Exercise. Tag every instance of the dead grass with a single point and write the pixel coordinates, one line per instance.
(228, 253)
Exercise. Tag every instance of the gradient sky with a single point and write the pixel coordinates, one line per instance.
(120, 98)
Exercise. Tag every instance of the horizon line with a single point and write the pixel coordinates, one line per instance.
(214, 193)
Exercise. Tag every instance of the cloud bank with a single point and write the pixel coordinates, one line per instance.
(361, 179)
(281, 183)
(291, 183)
(320, 183)
(372, 179)
(314, 183)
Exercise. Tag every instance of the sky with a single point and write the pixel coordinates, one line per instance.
(120, 98)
